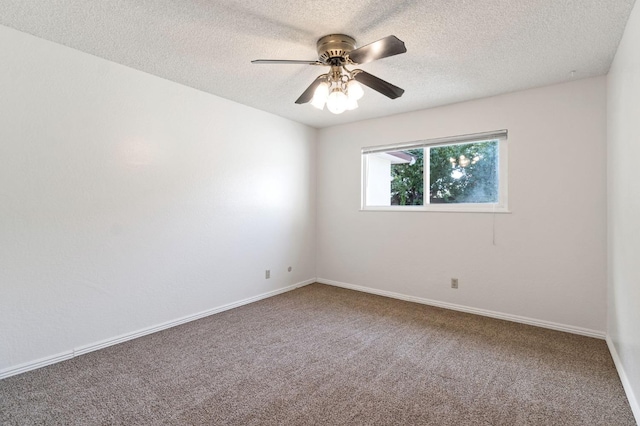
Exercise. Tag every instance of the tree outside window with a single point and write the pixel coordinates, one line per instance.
(458, 173)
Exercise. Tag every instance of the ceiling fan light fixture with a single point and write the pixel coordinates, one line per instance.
(354, 90)
(320, 95)
(341, 88)
(337, 101)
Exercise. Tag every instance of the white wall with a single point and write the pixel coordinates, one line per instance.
(127, 200)
(549, 261)
(623, 108)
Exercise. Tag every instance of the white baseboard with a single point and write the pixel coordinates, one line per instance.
(477, 311)
(32, 365)
(633, 402)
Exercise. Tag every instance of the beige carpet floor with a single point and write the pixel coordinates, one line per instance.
(321, 355)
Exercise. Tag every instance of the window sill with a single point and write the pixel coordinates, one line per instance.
(460, 208)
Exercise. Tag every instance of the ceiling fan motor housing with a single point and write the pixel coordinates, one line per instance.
(334, 47)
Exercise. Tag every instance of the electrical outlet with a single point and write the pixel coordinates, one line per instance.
(267, 274)
(454, 283)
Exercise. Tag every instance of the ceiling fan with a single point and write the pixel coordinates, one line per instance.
(339, 88)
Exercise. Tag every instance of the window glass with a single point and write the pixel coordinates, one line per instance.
(465, 173)
(468, 173)
(407, 178)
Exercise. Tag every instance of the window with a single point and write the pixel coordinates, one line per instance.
(460, 173)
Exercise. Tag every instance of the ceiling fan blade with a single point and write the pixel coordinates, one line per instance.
(379, 85)
(285, 61)
(388, 46)
(307, 95)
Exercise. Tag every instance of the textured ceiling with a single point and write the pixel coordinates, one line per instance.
(456, 50)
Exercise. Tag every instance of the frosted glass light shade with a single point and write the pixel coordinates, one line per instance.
(351, 104)
(320, 95)
(337, 101)
(354, 90)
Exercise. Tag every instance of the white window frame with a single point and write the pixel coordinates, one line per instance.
(503, 172)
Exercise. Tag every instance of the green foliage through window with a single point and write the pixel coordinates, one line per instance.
(466, 173)
(407, 180)
(462, 173)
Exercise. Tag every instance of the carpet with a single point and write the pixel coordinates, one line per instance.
(321, 355)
